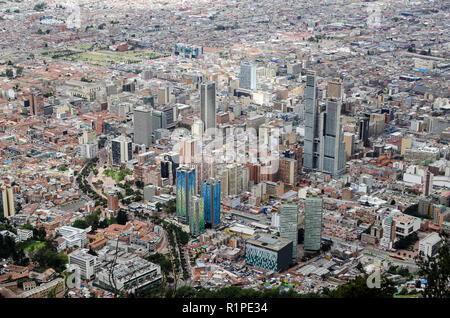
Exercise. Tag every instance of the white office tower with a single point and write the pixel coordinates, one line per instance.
(197, 129)
(208, 104)
(288, 225)
(143, 126)
(313, 223)
(248, 75)
(89, 150)
(85, 262)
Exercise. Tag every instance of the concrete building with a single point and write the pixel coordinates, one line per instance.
(121, 150)
(313, 223)
(6, 201)
(208, 104)
(143, 126)
(129, 274)
(149, 192)
(73, 236)
(268, 252)
(289, 225)
(247, 78)
(85, 262)
(429, 245)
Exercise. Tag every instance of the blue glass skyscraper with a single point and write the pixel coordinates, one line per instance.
(185, 191)
(211, 197)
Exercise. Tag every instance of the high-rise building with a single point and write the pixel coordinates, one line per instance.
(169, 169)
(311, 149)
(113, 202)
(36, 105)
(324, 147)
(313, 223)
(163, 95)
(288, 170)
(234, 179)
(349, 142)
(185, 192)
(121, 149)
(289, 225)
(211, 196)
(428, 183)
(6, 201)
(332, 146)
(196, 216)
(364, 130)
(188, 150)
(208, 104)
(143, 127)
(248, 75)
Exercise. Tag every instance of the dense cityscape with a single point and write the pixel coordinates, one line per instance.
(234, 148)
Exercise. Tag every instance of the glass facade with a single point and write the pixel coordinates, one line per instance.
(185, 191)
(313, 223)
(211, 196)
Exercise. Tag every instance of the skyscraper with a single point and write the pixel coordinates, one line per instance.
(143, 126)
(36, 105)
(6, 201)
(313, 223)
(247, 76)
(311, 148)
(121, 150)
(196, 215)
(185, 192)
(208, 104)
(364, 130)
(211, 196)
(324, 147)
(332, 150)
(288, 225)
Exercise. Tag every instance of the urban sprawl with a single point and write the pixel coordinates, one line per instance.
(162, 148)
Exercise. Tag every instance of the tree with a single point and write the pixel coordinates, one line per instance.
(406, 241)
(122, 217)
(358, 288)
(436, 270)
(80, 223)
(39, 233)
(139, 184)
(9, 73)
(360, 267)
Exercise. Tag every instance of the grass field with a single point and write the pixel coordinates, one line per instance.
(34, 247)
(100, 57)
(408, 296)
(117, 175)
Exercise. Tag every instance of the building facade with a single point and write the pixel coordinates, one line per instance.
(313, 223)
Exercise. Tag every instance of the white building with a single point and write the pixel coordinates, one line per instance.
(130, 272)
(89, 150)
(24, 235)
(429, 245)
(405, 224)
(85, 262)
(73, 236)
